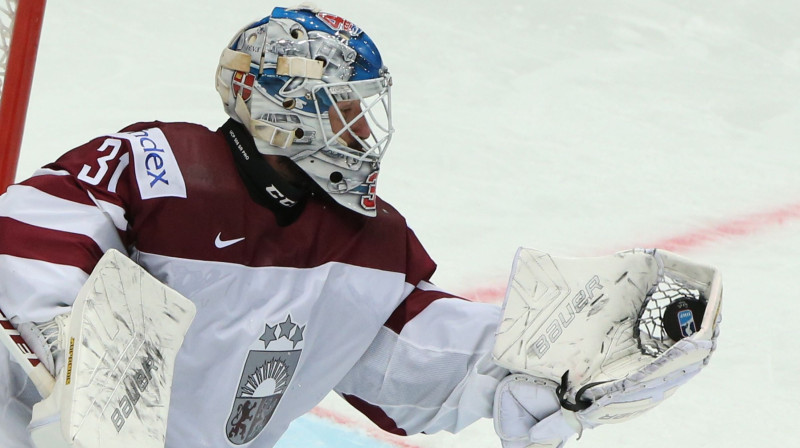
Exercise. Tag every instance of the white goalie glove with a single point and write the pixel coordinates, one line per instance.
(598, 340)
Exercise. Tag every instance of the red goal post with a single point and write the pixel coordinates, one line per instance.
(20, 27)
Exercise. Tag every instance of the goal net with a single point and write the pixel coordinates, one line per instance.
(20, 25)
(7, 10)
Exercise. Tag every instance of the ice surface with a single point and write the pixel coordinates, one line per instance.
(574, 127)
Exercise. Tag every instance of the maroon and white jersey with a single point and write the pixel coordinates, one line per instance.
(285, 314)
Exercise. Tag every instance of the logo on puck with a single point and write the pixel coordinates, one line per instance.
(686, 323)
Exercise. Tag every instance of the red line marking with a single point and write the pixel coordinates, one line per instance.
(740, 227)
(371, 430)
(486, 294)
(736, 228)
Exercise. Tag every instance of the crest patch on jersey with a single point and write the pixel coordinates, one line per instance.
(157, 171)
(265, 378)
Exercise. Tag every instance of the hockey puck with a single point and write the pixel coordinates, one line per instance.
(683, 317)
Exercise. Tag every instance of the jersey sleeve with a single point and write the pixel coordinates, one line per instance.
(56, 225)
(17, 397)
(429, 368)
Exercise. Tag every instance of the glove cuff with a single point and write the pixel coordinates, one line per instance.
(523, 402)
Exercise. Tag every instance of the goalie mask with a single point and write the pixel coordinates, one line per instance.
(288, 77)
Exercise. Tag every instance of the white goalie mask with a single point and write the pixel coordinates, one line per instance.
(287, 77)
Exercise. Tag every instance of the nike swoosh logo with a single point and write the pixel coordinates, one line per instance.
(220, 243)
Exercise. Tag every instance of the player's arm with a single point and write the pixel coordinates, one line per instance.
(56, 225)
(429, 369)
(53, 229)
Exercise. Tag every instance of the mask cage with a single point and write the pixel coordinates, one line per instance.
(374, 96)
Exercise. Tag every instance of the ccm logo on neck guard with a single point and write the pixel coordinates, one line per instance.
(157, 171)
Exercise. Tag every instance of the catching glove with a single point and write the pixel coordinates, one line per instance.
(607, 338)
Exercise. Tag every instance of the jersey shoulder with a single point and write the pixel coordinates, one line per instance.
(390, 231)
(174, 130)
(145, 160)
(168, 157)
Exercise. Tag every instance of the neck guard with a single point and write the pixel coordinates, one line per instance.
(266, 186)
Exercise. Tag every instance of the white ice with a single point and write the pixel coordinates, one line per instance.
(575, 127)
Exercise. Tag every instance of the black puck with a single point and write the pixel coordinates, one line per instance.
(683, 317)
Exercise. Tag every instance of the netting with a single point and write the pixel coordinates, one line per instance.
(650, 332)
(8, 9)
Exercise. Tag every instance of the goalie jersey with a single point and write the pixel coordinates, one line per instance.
(285, 313)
